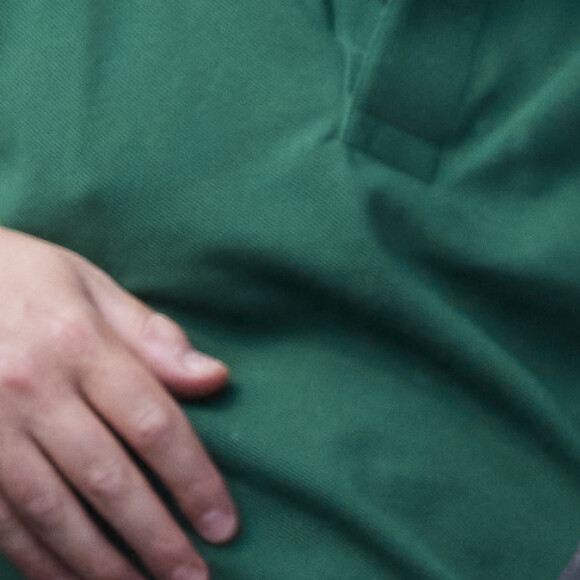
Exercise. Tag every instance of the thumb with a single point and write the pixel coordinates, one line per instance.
(155, 339)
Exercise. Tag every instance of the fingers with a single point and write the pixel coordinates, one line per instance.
(148, 419)
(25, 551)
(43, 524)
(80, 363)
(156, 340)
(101, 471)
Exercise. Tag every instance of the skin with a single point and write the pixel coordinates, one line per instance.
(572, 571)
(83, 362)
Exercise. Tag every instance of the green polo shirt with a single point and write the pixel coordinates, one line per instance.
(370, 211)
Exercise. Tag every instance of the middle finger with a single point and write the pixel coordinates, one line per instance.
(50, 513)
(103, 473)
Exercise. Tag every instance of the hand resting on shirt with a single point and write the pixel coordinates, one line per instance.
(83, 363)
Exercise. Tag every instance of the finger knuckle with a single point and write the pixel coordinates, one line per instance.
(152, 424)
(160, 328)
(17, 375)
(69, 335)
(43, 507)
(107, 481)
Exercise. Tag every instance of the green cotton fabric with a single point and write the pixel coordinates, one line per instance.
(370, 211)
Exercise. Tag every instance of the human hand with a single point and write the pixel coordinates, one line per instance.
(82, 363)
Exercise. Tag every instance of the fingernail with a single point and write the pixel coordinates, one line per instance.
(199, 364)
(218, 526)
(189, 573)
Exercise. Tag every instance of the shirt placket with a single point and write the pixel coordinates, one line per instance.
(408, 101)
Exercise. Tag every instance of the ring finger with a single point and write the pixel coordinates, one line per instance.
(102, 472)
(49, 523)
(25, 551)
